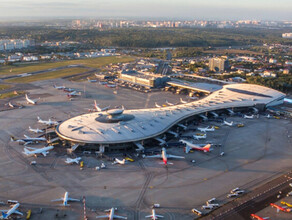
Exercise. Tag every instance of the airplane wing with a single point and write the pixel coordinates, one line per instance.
(57, 200)
(149, 216)
(102, 216)
(45, 153)
(174, 156)
(159, 216)
(120, 217)
(75, 200)
(153, 156)
(18, 213)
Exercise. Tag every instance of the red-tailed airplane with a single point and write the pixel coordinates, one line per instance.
(254, 216)
(279, 208)
(190, 146)
(165, 156)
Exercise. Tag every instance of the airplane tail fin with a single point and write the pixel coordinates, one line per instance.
(12, 138)
(39, 118)
(187, 149)
(4, 215)
(207, 147)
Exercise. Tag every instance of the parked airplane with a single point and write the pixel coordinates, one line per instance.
(12, 210)
(168, 103)
(73, 94)
(157, 106)
(117, 161)
(59, 87)
(27, 140)
(111, 85)
(49, 122)
(287, 204)
(35, 130)
(254, 216)
(68, 90)
(71, 160)
(30, 151)
(279, 208)
(111, 215)
(189, 146)
(102, 83)
(10, 105)
(248, 116)
(182, 101)
(66, 199)
(198, 137)
(98, 109)
(31, 101)
(165, 156)
(206, 129)
(153, 216)
(228, 123)
(91, 80)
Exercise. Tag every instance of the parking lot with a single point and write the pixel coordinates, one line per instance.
(253, 154)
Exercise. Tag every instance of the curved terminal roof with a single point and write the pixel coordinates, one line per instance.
(149, 123)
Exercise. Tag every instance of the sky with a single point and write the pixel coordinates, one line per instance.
(172, 9)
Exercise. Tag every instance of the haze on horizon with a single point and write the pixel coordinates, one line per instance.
(172, 9)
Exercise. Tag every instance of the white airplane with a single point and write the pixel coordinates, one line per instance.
(31, 101)
(157, 106)
(182, 101)
(98, 109)
(268, 116)
(228, 123)
(248, 116)
(102, 83)
(153, 216)
(168, 103)
(91, 80)
(68, 89)
(10, 105)
(111, 215)
(165, 156)
(189, 146)
(198, 137)
(71, 160)
(35, 130)
(49, 122)
(206, 129)
(65, 200)
(27, 140)
(59, 87)
(30, 151)
(117, 161)
(111, 85)
(74, 93)
(12, 210)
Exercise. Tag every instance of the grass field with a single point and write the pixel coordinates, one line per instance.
(11, 94)
(47, 76)
(91, 62)
(3, 86)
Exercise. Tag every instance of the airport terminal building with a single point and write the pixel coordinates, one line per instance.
(125, 129)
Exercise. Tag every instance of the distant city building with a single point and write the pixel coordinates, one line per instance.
(286, 71)
(287, 35)
(15, 44)
(145, 80)
(218, 64)
(272, 61)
